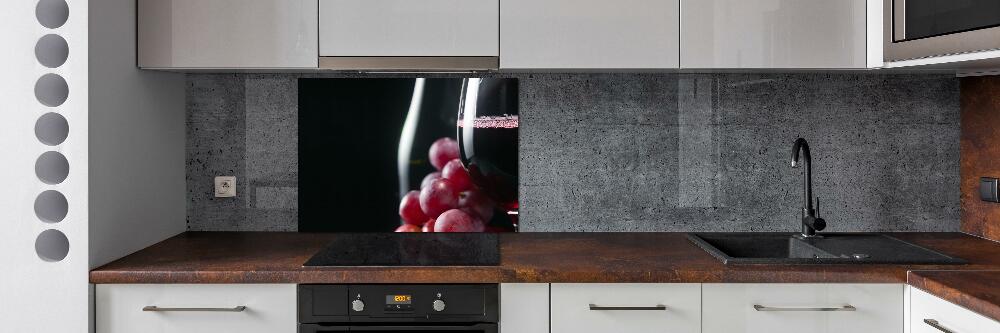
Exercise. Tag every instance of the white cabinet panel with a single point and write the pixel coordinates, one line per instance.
(773, 34)
(572, 311)
(589, 34)
(228, 33)
(407, 28)
(729, 308)
(524, 308)
(270, 308)
(947, 315)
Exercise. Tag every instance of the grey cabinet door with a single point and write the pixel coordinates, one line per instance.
(407, 28)
(228, 34)
(774, 34)
(589, 34)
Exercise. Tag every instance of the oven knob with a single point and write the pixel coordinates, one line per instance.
(438, 305)
(358, 305)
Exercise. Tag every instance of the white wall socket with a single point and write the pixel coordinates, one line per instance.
(225, 187)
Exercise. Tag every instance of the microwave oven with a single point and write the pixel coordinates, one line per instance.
(915, 29)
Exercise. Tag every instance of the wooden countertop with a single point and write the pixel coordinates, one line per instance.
(974, 290)
(273, 257)
(268, 257)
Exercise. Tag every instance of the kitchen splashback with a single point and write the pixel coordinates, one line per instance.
(638, 152)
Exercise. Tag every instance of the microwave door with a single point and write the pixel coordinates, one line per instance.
(916, 19)
(915, 29)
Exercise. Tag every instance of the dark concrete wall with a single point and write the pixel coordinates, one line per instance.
(640, 152)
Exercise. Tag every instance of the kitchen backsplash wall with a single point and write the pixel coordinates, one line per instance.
(639, 152)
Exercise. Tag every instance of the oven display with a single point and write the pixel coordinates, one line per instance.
(398, 302)
(398, 299)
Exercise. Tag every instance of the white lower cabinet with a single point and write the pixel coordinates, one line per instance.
(930, 314)
(202, 308)
(524, 308)
(625, 307)
(802, 308)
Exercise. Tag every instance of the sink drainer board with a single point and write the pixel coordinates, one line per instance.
(831, 248)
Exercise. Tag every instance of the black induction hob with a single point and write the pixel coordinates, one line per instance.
(409, 249)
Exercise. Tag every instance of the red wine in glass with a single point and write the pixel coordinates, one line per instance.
(487, 138)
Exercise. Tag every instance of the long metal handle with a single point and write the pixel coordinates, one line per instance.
(839, 308)
(154, 308)
(935, 324)
(657, 307)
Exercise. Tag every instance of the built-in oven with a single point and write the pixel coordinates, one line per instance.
(386, 308)
(928, 28)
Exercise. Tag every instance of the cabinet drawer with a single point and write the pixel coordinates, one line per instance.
(802, 308)
(621, 307)
(948, 316)
(406, 28)
(269, 308)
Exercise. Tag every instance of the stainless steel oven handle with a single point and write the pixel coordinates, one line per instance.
(935, 324)
(848, 307)
(658, 307)
(153, 308)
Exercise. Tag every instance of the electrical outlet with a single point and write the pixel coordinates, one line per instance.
(225, 187)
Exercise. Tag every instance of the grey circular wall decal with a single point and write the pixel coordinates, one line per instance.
(51, 206)
(51, 90)
(52, 245)
(52, 13)
(51, 51)
(52, 167)
(52, 129)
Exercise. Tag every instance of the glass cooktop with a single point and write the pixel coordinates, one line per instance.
(409, 249)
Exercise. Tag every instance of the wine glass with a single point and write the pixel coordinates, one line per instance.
(488, 138)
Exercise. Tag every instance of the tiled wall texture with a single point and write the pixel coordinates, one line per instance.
(640, 152)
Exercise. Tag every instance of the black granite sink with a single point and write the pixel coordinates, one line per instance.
(833, 248)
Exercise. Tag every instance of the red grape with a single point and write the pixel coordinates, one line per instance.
(438, 197)
(429, 226)
(408, 228)
(456, 220)
(442, 151)
(409, 209)
(476, 204)
(455, 172)
(429, 178)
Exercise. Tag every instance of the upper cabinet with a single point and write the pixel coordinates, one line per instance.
(406, 34)
(192, 34)
(509, 34)
(589, 34)
(776, 34)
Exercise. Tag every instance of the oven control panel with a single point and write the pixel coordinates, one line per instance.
(398, 303)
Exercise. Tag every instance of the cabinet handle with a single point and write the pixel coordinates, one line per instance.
(759, 307)
(594, 307)
(935, 324)
(154, 308)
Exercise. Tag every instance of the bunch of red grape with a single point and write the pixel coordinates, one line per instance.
(447, 201)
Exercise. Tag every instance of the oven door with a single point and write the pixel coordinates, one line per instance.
(916, 29)
(474, 328)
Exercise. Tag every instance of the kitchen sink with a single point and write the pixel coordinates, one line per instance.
(831, 248)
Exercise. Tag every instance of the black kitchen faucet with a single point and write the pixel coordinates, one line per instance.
(810, 221)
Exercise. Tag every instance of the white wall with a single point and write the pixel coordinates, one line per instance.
(38, 295)
(137, 186)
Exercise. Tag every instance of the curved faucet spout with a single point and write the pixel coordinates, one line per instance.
(810, 222)
(807, 188)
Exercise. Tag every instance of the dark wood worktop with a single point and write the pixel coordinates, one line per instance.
(265, 257)
(978, 291)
